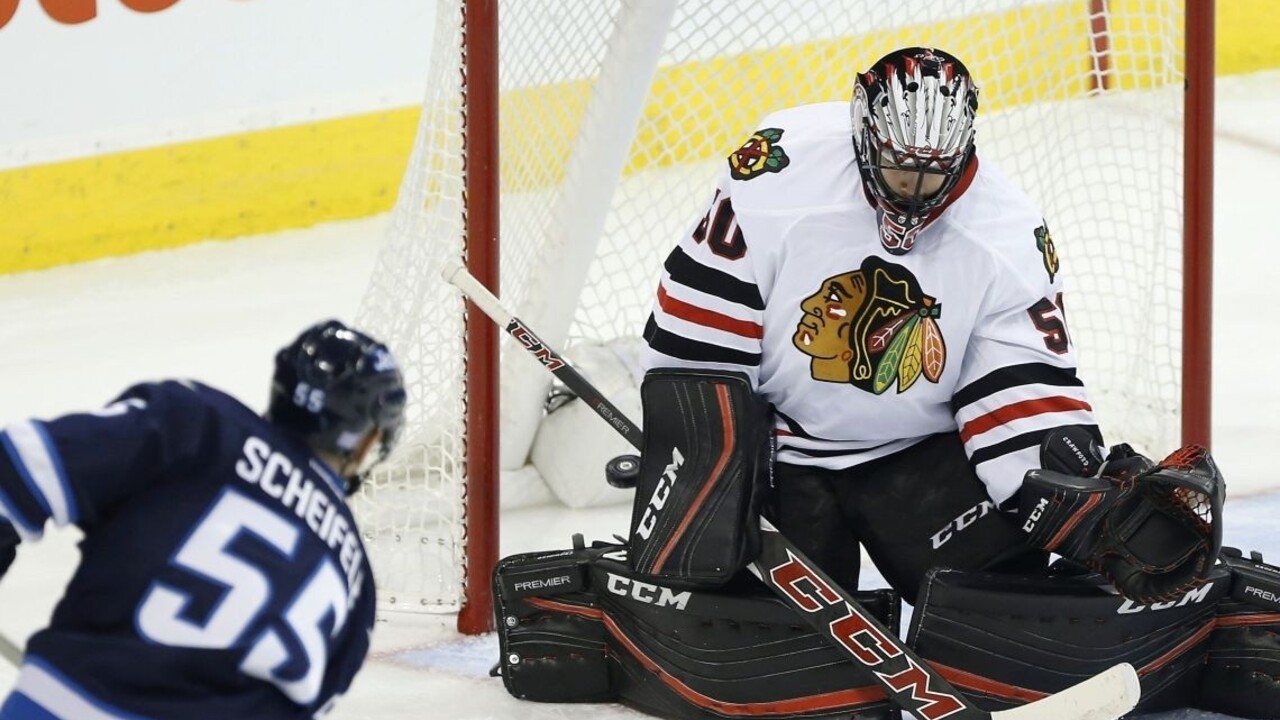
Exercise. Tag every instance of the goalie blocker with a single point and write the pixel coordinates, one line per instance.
(694, 522)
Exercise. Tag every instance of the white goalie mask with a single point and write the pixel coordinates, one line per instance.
(912, 114)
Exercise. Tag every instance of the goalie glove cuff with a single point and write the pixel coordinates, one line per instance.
(1061, 513)
(1062, 504)
(1073, 450)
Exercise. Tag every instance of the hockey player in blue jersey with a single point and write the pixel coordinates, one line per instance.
(222, 574)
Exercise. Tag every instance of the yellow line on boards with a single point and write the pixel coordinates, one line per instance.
(225, 187)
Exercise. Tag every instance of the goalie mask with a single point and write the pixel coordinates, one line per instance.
(912, 114)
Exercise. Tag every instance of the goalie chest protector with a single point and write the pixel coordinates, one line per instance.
(580, 626)
(694, 522)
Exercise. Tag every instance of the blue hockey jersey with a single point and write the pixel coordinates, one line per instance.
(222, 575)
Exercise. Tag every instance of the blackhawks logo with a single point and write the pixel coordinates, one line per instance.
(872, 327)
(1044, 243)
(760, 154)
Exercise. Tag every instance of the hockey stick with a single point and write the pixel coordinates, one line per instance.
(909, 681)
(10, 651)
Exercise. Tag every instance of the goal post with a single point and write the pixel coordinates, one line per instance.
(577, 141)
(481, 233)
(1197, 224)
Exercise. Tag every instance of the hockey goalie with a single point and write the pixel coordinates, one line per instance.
(862, 340)
(666, 624)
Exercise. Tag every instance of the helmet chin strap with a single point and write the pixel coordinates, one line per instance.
(363, 459)
(355, 466)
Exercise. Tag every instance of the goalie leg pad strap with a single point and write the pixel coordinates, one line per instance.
(694, 521)
(675, 653)
(1006, 640)
(1242, 671)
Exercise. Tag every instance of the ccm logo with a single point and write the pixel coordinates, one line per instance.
(543, 353)
(864, 641)
(647, 593)
(660, 495)
(967, 518)
(1035, 515)
(1194, 596)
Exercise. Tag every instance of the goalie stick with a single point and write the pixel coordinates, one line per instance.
(909, 681)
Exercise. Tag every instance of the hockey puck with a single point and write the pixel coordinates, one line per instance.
(622, 471)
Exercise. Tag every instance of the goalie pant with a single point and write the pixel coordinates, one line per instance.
(580, 626)
(1008, 640)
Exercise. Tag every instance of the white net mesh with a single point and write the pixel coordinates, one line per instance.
(607, 156)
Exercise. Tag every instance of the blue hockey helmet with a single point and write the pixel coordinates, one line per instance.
(333, 385)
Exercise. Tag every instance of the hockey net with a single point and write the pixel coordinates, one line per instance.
(614, 117)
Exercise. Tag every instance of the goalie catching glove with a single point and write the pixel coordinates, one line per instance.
(1154, 531)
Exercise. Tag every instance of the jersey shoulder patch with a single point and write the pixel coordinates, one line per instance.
(799, 157)
(1048, 253)
(761, 153)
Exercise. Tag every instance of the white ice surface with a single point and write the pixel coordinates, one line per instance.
(73, 337)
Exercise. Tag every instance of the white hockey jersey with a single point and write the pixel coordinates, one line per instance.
(863, 353)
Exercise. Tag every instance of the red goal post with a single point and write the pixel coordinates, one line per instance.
(577, 140)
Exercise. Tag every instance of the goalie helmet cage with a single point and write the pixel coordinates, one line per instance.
(614, 116)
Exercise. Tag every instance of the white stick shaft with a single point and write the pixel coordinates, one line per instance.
(1105, 696)
(456, 274)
